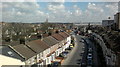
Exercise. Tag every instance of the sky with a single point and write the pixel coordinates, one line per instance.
(31, 12)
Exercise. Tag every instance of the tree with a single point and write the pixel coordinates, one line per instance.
(49, 33)
(56, 31)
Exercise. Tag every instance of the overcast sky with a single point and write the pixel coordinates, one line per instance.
(58, 11)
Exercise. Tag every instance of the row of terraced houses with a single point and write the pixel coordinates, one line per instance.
(41, 52)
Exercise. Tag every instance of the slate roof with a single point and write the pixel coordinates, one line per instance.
(63, 34)
(58, 37)
(53, 40)
(24, 51)
(50, 41)
(66, 34)
(38, 45)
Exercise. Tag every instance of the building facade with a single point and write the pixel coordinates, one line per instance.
(107, 22)
(117, 20)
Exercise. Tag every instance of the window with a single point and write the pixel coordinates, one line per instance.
(42, 54)
(39, 55)
(47, 60)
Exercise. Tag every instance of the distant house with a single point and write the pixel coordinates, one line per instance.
(9, 57)
(42, 50)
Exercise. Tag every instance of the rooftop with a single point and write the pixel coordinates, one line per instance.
(63, 34)
(24, 51)
(9, 52)
(38, 45)
(58, 37)
(50, 41)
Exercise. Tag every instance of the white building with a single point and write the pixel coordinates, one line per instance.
(4, 60)
(10, 57)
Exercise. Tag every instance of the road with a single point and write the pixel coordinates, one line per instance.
(95, 57)
(74, 56)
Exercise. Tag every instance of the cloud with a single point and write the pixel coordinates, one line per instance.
(21, 12)
(60, 0)
(57, 11)
(93, 6)
(100, 12)
(18, 0)
(112, 7)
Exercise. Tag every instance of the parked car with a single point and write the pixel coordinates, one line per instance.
(83, 48)
(61, 56)
(81, 54)
(64, 54)
(79, 61)
(83, 51)
(68, 48)
(89, 49)
(55, 64)
(89, 62)
(83, 64)
(89, 56)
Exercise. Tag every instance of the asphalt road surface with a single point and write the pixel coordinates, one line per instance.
(95, 58)
(74, 56)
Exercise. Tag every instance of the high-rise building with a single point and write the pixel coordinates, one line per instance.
(117, 20)
(107, 22)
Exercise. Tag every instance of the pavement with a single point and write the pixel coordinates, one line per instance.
(74, 55)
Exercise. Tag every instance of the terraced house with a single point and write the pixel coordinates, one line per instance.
(61, 42)
(67, 39)
(40, 52)
(42, 49)
(53, 44)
